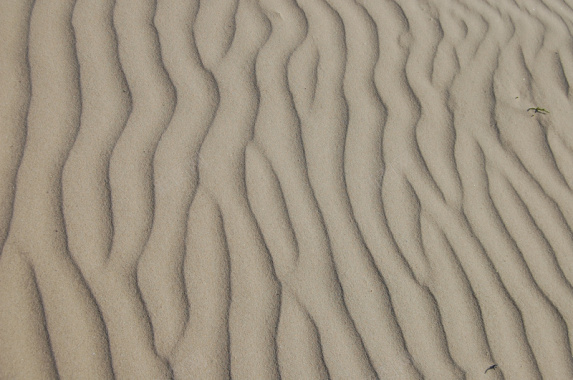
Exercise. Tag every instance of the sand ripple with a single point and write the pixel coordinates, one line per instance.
(295, 189)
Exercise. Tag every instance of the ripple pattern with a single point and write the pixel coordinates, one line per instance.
(286, 189)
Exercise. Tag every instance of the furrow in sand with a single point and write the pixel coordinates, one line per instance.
(434, 133)
(153, 98)
(305, 267)
(549, 311)
(14, 101)
(542, 322)
(364, 174)
(532, 244)
(76, 337)
(400, 203)
(544, 209)
(501, 318)
(298, 343)
(446, 63)
(19, 317)
(302, 69)
(317, 292)
(356, 95)
(106, 104)
(131, 184)
(545, 69)
(563, 10)
(559, 364)
(105, 108)
(560, 11)
(214, 30)
(267, 201)
(380, 331)
(539, 182)
(563, 156)
(436, 172)
(255, 294)
(333, 204)
(399, 206)
(460, 313)
(419, 182)
(452, 290)
(562, 368)
(472, 114)
(23, 332)
(326, 122)
(204, 351)
(160, 274)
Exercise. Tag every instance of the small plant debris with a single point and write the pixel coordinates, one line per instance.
(537, 110)
(494, 366)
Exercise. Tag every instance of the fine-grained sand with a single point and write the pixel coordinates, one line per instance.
(286, 189)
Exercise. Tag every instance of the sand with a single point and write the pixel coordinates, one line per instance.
(286, 189)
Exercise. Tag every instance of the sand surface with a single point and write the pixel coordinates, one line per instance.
(286, 189)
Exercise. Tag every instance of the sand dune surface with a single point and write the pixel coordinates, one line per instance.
(286, 189)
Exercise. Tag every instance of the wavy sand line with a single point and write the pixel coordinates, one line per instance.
(286, 189)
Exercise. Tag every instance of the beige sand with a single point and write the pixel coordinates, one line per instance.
(294, 189)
